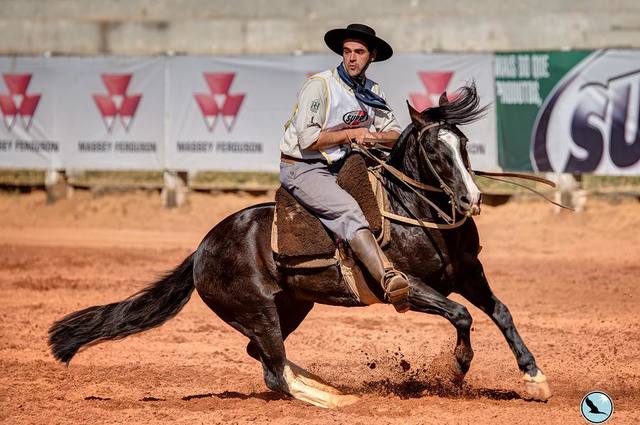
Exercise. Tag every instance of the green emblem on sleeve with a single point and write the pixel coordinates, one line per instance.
(315, 105)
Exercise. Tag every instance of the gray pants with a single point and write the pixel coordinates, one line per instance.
(315, 187)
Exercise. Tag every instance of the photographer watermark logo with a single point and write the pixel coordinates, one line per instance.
(596, 407)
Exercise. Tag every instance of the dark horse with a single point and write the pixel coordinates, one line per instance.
(235, 274)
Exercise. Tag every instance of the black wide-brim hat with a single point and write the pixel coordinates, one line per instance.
(335, 38)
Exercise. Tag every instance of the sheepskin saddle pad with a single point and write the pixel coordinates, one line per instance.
(299, 237)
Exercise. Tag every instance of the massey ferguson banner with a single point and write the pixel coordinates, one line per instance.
(27, 105)
(198, 113)
(110, 112)
(569, 111)
(229, 113)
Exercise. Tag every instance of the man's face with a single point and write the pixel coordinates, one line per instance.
(356, 57)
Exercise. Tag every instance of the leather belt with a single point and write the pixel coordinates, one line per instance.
(293, 160)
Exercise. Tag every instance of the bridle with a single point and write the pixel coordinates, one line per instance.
(411, 184)
(486, 174)
(443, 185)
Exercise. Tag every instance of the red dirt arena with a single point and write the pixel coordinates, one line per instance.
(571, 281)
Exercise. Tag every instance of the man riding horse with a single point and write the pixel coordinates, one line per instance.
(336, 108)
(237, 276)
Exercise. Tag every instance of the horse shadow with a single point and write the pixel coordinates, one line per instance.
(404, 390)
(265, 395)
(415, 388)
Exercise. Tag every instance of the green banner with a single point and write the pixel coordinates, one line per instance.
(523, 82)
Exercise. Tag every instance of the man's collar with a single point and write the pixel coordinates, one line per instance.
(334, 72)
(361, 79)
(361, 92)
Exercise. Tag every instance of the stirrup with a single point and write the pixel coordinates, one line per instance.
(399, 295)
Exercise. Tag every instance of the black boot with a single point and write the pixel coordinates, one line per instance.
(394, 283)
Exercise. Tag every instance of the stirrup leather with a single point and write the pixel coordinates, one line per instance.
(399, 297)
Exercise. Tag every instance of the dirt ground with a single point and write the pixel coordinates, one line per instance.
(571, 281)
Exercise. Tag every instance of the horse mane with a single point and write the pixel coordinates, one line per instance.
(464, 109)
(397, 153)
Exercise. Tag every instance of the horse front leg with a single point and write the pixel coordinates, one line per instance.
(427, 300)
(476, 289)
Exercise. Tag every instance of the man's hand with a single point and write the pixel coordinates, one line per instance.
(358, 135)
(387, 138)
(351, 135)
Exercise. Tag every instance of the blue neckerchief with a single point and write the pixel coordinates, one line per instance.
(362, 93)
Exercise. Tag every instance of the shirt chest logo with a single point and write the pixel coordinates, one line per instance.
(355, 118)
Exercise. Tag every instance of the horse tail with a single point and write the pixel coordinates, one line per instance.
(144, 310)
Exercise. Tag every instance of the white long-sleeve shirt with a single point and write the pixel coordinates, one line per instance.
(310, 115)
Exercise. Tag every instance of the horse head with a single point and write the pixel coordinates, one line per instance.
(441, 148)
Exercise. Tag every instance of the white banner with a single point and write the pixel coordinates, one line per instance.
(111, 113)
(198, 113)
(28, 99)
(229, 113)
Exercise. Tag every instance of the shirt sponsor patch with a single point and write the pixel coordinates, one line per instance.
(355, 118)
(315, 105)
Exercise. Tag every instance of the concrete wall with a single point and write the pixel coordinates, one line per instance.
(284, 26)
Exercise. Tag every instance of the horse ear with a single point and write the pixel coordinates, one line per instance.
(416, 117)
(444, 100)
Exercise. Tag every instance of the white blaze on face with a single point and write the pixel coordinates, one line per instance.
(453, 141)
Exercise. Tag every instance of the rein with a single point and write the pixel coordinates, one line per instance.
(493, 176)
(516, 175)
(411, 184)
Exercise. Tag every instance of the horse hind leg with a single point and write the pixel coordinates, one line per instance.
(478, 292)
(291, 313)
(257, 309)
(267, 335)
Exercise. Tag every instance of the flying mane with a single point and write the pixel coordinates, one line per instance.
(464, 109)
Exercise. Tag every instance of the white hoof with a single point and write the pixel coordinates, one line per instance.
(309, 388)
(536, 387)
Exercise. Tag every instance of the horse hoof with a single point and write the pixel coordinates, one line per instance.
(307, 387)
(346, 400)
(446, 373)
(457, 375)
(536, 387)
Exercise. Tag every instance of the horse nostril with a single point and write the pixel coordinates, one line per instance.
(464, 201)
